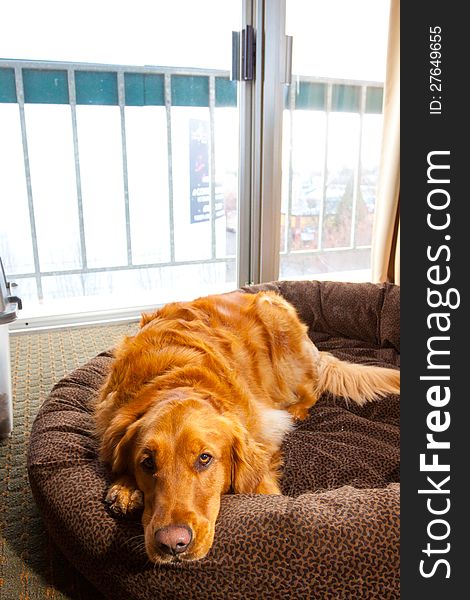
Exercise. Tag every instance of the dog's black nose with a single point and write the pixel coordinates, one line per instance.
(173, 539)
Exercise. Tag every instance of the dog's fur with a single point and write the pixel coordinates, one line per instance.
(198, 402)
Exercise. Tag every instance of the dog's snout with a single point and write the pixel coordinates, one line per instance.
(173, 539)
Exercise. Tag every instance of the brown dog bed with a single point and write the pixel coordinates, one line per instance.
(333, 534)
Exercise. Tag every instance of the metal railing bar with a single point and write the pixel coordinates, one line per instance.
(212, 164)
(329, 96)
(358, 169)
(292, 93)
(122, 106)
(29, 188)
(144, 69)
(134, 267)
(171, 215)
(76, 153)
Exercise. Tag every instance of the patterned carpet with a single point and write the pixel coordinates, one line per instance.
(30, 565)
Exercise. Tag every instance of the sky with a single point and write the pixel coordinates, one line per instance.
(332, 38)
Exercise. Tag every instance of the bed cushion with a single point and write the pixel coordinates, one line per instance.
(334, 533)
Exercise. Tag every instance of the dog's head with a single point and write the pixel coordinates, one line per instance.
(184, 453)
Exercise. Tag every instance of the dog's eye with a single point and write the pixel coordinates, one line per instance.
(204, 459)
(148, 464)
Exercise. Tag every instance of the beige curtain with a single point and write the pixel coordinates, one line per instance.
(386, 233)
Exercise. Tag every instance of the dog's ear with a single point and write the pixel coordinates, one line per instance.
(118, 441)
(250, 462)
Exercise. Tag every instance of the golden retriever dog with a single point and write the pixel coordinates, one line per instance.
(197, 404)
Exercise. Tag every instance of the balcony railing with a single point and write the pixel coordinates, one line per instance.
(24, 83)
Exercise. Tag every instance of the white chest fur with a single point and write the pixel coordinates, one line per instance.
(275, 425)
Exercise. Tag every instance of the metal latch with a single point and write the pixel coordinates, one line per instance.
(243, 54)
(286, 75)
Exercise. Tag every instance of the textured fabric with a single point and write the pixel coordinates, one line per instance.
(31, 565)
(334, 533)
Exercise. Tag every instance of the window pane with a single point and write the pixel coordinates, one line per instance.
(147, 165)
(133, 168)
(15, 232)
(332, 134)
(100, 148)
(53, 181)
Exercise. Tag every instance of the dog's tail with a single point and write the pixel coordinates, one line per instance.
(360, 383)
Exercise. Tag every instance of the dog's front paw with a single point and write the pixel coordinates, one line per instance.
(124, 499)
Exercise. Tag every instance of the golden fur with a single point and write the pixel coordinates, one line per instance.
(197, 403)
